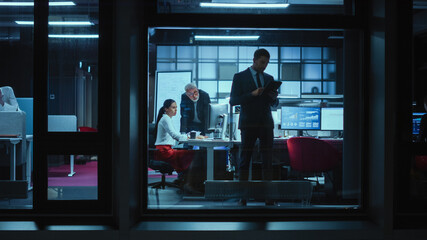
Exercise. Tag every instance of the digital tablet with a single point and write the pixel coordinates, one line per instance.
(273, 85)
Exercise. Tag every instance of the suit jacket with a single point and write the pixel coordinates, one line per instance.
(255, 111)
(187, 111)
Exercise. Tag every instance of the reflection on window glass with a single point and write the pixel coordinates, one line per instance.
(210, 52)
(311, 71)
(185, 52)
(334, 7)
(273, 69)
(72, 177)
(329, 88)
(329, 71)
(73, 66)
(291, 71)
(291, 53)
(207, 71)
(246, 53)
(209, 86)
(16, 106)
(227, 52)
(166, 51)
(273, 52)
(227, 70)
(311, 53)
(308, 72)
(311, 87)
(165, 66)
(291, 89)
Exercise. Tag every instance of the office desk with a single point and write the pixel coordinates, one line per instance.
(29, 139)
(209, 144)
(12, 141)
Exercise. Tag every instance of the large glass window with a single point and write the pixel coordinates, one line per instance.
(416, 171)
(16, 105)
(310, 104)
(73, 67)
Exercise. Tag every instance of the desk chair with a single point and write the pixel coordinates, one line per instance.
(87, 129)
(159, 166)
(421, 163)
(162, 167)
(311, 156)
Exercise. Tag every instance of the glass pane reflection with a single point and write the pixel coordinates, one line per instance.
(73, 66)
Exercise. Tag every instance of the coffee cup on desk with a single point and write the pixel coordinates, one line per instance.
(193, 134)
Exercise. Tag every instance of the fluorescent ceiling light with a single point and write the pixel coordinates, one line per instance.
(73, 36)
(57, 23)
(225, 38)
(336, 37)
(244, 5)
(31, 4)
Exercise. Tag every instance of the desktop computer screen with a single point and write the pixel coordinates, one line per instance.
(332, 119)
(300, 118)
(416, 121)
(215, 111)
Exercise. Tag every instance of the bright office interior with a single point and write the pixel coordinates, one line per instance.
(310, 66)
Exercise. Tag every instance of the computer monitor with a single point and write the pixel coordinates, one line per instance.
(215, 113)
(332, 119)
(416, 121)
(300, 118)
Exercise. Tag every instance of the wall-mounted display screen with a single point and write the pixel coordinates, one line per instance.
(416, 121)
(332, 119)
(300, 118)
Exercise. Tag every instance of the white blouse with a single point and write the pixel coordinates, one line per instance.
(166, 133)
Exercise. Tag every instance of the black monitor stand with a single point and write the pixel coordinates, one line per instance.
(299, 133)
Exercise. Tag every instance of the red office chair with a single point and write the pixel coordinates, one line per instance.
(87, 129)
(311, 156)
(421, 163)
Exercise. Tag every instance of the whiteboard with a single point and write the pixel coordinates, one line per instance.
(170, 85)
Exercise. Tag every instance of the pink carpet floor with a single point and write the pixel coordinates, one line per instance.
(86, 175)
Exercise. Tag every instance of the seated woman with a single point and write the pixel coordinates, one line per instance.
(166, 135)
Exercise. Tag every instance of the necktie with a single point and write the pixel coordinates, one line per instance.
(258, 81)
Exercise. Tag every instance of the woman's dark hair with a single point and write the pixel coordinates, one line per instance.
(166, 104)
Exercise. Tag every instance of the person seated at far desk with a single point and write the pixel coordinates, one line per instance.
(8, 101)
(166, 137)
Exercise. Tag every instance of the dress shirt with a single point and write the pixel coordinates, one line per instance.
(261, 77)
(166, 133)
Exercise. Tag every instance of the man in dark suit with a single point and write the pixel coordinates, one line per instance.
(255, 120)
(194, 109)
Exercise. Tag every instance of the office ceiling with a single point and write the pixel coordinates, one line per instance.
(185, 36)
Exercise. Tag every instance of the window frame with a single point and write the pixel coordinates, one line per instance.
(151, 18)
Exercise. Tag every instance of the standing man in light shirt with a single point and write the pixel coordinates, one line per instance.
(8, 100)
(194, 109)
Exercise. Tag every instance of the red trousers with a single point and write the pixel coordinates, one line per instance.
(180, 160)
